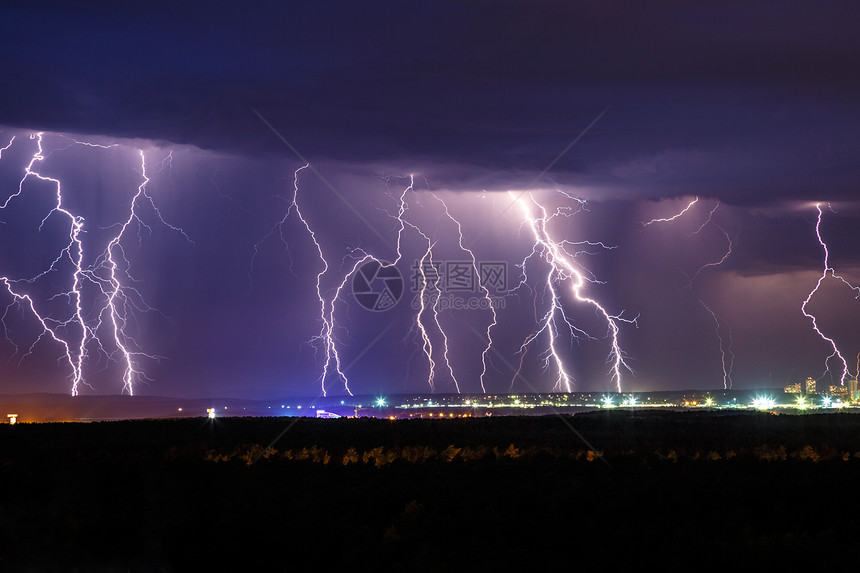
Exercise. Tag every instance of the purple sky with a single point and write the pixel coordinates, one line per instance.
(751, 108)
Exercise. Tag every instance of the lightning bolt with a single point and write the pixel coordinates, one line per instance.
(563, 270)
(2, 149)
(427, 327)
(708, 219)
(109, 273)
(727, 357)
(85, 325)
(326, 337)
(323, 341)
(429, 290)
(827, 270)
(73, 251)
(427, 343)
(675, 216)
(435, 314)
(483, 288)
(433, 337)
(858, 368)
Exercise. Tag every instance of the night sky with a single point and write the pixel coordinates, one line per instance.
(636, 108)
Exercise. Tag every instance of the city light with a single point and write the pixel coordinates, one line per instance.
(763, 403)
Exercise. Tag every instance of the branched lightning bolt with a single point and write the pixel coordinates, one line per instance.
(484, 289)
(435, 312)
(723, 258)
(110, 273)
(727, 357)
(434, 339)
(73, 251)
(323, 341)
(279, 229)
(113, 309)
(827, 270)
(429, 290)
(563, 270)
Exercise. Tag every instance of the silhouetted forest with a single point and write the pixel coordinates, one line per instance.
(611, 488)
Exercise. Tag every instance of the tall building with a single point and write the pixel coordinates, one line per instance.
(810, 386)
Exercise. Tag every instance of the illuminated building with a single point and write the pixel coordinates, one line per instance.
(13, 418)
(795, 388)
(838, 391)
(810, 386)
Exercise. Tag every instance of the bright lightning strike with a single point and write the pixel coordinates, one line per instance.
(563, 271)
(429, 293)
(323, 341)
(827, 270)
(424, 298)
(101, 300)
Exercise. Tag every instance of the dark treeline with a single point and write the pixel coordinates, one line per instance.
(485, 493)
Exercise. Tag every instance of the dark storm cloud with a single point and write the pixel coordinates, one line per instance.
(749, 102)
